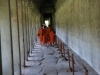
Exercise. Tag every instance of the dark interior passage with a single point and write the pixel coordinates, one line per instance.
(47, 17)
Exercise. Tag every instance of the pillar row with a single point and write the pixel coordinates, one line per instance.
(20, 28)
(6, 41)
(24, 31)
(18, 24)
(15, 36)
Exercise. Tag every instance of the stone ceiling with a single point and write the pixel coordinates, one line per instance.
(39, 3)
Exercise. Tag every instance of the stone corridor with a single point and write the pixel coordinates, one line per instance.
(47, 61)
(75, 22)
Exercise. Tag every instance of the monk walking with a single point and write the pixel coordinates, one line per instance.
(49, 28)
(52, 37)
(40, 34)
(48, 36)
(45, 36)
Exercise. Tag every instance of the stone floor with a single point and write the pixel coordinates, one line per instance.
(47, 61)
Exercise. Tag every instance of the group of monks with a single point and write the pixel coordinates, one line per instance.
(46, 35)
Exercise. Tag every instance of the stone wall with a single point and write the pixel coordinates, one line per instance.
(78, 25)
(19, 22)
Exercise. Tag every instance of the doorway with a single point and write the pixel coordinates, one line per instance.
(47, 19)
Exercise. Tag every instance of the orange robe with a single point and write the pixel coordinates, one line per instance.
(40, 35)
(48, 36)
(48, 29)
(44, 36)
(52, 37)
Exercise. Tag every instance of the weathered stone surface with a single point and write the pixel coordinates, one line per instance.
(51, 65)
(78, 25)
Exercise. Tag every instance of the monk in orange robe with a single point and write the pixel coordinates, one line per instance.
(45, 36)
(52, 37)
(49, 28)
(40, 34)
(48, 32)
